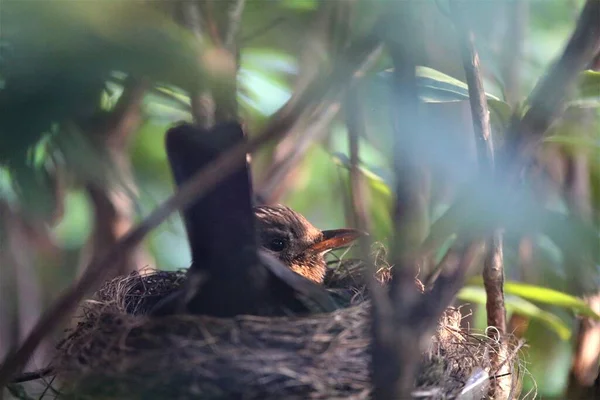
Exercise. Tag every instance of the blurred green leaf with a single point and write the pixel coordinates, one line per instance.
(576, 141)
(588, 87)
(380, 196)
(544, 295)
(376, 181)
(483, 207)
(520, 306)
(75, 226)
(300, 4)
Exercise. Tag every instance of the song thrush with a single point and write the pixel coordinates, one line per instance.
(262, 261)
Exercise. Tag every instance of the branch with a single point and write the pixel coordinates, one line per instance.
(547, 101)
(329, 84)
(399, 327)
(493, 273)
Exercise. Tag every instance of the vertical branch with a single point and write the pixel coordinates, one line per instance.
(402, 321)
(493, 269)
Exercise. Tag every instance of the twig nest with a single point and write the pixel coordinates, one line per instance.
(118, 352)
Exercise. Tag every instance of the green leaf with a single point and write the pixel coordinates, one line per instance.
(520, 306)
(483, 206)
(374, 177)
(433, 79)
(544, 295)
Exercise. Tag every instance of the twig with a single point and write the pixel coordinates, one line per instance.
(493, 269)
(278, 172)
(292, 149)
(203, 181)
(33, 375)
(493, 274)
(321, 119)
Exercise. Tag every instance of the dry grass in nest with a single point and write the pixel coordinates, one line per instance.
(118, 352)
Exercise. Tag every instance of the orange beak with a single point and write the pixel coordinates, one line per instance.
(335, 239)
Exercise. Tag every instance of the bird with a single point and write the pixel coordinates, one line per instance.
(293, 240)
(246, 260)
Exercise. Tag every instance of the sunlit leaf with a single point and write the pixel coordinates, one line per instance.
(520, 306)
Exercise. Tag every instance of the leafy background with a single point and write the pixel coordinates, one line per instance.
(64, 61)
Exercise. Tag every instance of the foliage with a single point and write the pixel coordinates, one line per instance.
(61, 64)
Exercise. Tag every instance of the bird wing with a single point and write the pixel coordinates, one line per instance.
(311, 296)
(236, 279)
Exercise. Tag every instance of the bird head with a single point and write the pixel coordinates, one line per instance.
(299, 245)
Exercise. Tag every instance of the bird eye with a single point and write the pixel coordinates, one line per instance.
(276, 245)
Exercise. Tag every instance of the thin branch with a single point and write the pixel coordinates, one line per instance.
(321, 120)
(477, 97)
(33, 375)
(297, 148)
(493, 267)
(330, 84)
(311, 127)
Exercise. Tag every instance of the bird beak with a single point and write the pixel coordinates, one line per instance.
(334, 239)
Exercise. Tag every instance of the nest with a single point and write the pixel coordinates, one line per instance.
(116, 351)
